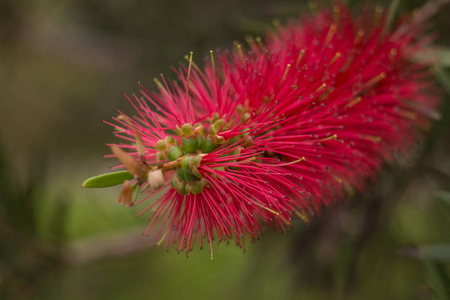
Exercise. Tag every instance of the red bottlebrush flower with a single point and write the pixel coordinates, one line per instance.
(276, 129)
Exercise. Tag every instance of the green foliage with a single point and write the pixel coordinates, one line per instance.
(107, 180)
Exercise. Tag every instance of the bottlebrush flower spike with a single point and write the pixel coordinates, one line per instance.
(280, 128)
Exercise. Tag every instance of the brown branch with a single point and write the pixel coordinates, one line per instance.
(107, 246)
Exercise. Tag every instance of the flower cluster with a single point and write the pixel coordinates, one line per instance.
(278, 128)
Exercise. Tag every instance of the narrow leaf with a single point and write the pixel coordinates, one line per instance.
(444, 57)
(443, 78)
(392, 14)
(107, 180)
(444, 196)
(439, 279)
(438, 56)
(437, 252)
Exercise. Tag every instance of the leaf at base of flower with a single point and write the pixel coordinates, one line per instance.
(438, 56)
(107, 180)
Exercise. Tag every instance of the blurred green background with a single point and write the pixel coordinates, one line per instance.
(63, 66)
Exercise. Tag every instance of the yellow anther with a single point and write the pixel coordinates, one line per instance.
(249, 39)
(189, 74)
(393, 53)
(321, 87)
(300, 56)
(335, 58)
(331, 137)
(354, 102)
(292, 162)
(162, 239)
(303, 216)
(276, 23)
(359, 36)
(286, 72)
(258, 39)
(407, 114)
(379, 11)
(375, 139)
(337, 14)
(211, 53)
(238, 47)
(313, 7)
(331, 33)
(374, 80)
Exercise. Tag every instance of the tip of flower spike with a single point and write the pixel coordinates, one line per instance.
(254, 159)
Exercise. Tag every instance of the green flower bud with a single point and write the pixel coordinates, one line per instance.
(208, 145)
(234, 139)
(196, 172)
(219, 140)
(215, 118)
(181, 174)
(237, 151)
(170, 141)
(245, 116)
(190, 164)
(188, 189)
(189, 144)
(186, 164)
(218, 124)
(175, 181)
(187, 129)
(212, 130)
(182, 188)
(200, 140)
(174, 153)
(248, 142)
(197, 187)
(219, 169)
(199, 130)
(190, 177)
(178, 130)
(161, 145)
(197, 161)
(160, 156)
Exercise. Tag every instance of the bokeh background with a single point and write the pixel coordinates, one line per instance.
(63, 67)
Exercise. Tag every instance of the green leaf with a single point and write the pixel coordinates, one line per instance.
(444, 57)
(437, 252)
(392, 14)
(438, 56)
(443, 78)
(438, 279)
(107, 180)
(444, 196)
